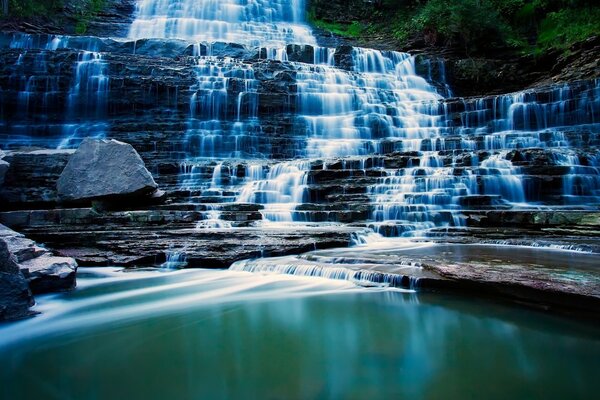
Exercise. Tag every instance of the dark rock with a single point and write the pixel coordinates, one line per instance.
(3, 168)
(30, 181)
(104, 169)
(15, 296)
(50, 274)
(8, 263)
(343, 57)
(300, 53)
(43, 271)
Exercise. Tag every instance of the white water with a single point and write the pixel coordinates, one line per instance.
(269, 23)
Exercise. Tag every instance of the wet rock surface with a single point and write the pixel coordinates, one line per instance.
(541, 278)
(147, 244)
(3, 168)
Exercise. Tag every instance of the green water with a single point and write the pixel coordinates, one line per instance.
(234, 335)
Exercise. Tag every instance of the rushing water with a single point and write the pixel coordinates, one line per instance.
(224, 334)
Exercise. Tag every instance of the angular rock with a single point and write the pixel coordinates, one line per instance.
(15, 296)
(8, 263)
(104, 169)
(43, 271)
(48, 273)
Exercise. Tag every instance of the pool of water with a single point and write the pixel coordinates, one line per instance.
(201, 334)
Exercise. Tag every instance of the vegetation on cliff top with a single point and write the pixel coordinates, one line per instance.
(81, 10)
(531, 26)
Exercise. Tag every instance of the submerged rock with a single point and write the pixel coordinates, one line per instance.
(104, 170)
(15, 296)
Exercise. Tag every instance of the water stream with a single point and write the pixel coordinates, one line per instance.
(227, 334)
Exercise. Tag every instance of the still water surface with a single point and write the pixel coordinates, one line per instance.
(201, 334)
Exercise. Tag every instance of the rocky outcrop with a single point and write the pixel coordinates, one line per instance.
(42, 271)
(47, 273)
(15, 296)
(105, 170)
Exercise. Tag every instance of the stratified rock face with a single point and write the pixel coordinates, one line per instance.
(30, 181)
(104, 169)
(15, 296)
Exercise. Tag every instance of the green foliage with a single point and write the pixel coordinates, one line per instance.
(562, 28)
(88, 10)
(473, 23)
(81, 10)
(353, 30)
(478, 25)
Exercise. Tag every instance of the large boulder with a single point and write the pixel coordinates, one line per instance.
(15, 296)
(104, 170)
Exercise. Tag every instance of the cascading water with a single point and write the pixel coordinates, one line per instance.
(39, 90)
(271, 23)
(268, 116)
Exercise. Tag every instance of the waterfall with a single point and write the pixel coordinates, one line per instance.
(86, 109)
(244, 113)
(269, 23)
(299, 267)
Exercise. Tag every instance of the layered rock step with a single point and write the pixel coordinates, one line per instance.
(26, 269)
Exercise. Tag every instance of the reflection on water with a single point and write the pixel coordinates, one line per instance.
(235, 335)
